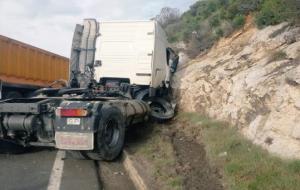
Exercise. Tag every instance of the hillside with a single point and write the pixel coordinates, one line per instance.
(250, 79)
(209, 20)
(237, 103)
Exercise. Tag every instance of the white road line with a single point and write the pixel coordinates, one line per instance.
(57, 170)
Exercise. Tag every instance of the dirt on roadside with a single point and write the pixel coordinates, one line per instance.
(171, 159)
(193, 165)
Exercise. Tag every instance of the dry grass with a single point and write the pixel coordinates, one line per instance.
(277, 56)
(158, 150)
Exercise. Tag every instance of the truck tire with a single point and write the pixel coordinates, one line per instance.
(161, 109)
(142, 95)
(109, 138)
(12, 94)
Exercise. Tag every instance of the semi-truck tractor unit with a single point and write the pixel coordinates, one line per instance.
(120, 74)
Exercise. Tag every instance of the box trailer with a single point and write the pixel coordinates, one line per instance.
(24, 68)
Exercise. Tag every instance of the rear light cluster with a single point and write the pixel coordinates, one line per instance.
(62, 112)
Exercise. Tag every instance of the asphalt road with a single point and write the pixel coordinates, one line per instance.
(49, 169)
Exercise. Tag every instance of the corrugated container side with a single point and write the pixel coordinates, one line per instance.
(21, 63)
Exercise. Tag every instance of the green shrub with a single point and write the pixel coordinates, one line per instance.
(231, 11)
(272, 12)
(227, 28)
(219, 32)
(211, 19)
(238, 21)
(172, 32)
(247, 6)
(214, 21)
(294, 166)
(212, 6)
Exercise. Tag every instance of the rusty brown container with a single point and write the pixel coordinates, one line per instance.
(24, 64)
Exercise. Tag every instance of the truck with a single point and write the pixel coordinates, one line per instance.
(120, 75)
(25, 68)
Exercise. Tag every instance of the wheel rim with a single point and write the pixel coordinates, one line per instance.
(112, 133)
(157, 108)
(161, 109)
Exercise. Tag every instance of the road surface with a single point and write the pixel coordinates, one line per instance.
(49, 169)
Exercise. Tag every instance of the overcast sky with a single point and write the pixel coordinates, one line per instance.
(49, 24)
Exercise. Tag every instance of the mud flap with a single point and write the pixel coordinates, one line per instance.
(74, 141)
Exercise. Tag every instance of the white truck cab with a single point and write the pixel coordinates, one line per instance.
(135, 51)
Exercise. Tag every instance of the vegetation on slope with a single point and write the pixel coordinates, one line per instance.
(208, 20)
(244, 165)
(193, 151)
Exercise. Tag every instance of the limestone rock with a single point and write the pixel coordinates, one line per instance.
(236, 82)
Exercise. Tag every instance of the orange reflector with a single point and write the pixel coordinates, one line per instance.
(71, 112)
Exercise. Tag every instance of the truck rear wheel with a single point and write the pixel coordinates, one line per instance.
(109, 139)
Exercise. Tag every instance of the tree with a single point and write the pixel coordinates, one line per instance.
(168, 16)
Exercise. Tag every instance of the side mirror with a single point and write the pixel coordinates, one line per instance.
(174, 64)
(173, 58)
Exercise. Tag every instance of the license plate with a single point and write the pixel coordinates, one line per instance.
(74, 141)
(73, 121)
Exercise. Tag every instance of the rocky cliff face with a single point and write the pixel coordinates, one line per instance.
(252, 80)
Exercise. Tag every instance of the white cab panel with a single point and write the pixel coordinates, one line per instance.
(132, 49)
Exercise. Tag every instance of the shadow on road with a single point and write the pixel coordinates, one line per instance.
(7, 147)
